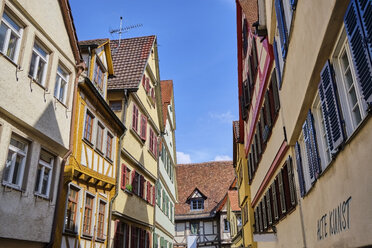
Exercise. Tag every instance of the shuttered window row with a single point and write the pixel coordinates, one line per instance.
(278, 201)
(268, 115)
(138, 185)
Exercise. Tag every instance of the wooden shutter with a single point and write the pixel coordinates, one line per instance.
(148, 191)
(116, 234)
(281, 193)
(256, 228)
(243, 109)
(153, 196)
(275, 91)
(268, 206)
(126, 240)
(123, 174)
(359, 31)
(254, 57)
(144, 81)
(311, 147)
(282, 26)
(260, 217)
(142, 187)
(245, 37)
(264, 216)
(292, 189)
(246, 94)
(134, 182)
(277, 65)
(259, 137)
(268, 109)
(135, 118)
(250, 172)
(277, 198)
(330, 109)
(274, 201)
(133, 235)
(143, 127)
(300, 171)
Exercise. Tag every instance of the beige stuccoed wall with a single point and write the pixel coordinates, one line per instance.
(37, 117)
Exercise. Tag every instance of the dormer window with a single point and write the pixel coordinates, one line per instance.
(197, 204)
(99, 75)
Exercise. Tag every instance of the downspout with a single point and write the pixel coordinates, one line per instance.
(79, 69)
(121, 143)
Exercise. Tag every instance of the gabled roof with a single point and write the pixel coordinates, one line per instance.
(70, 27)
(130, 61)
(211, 178)
(166, 96)
(196, 194)
(234, 200)
(95, 42)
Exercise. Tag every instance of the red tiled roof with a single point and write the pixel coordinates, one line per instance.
(96, 42)
(166, 96)
(212, 179)
(129, 61)
(249, 8)
(234, 200)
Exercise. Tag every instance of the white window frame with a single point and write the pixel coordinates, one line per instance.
(342, 46)
(61, 80)
(39, 57)
(104, 133)
(43, 164)
(321, 136)
(14, 31)
(16, 151)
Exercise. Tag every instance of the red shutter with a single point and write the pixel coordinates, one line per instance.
(123, 174)
(147, 85)
(142, 186)
(153, 195)
(135, 118)
(133, 236)
(134, 181)
(127, 236)
(148, 192)
(143, 127)
(143, 81)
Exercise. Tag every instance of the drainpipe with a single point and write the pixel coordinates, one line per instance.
(121, 143)
(79, 69)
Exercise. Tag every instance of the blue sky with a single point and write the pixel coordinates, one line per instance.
(197, 49)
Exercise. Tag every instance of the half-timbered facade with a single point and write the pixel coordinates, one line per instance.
(38, 59)
(134, 94)
(201, 210)
(90, 175)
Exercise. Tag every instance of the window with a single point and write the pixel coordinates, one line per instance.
(15, 163)
(88, 127)
(101, 219)
(44, 174)
(153, 142)
(125, 177)
(226, 225)
(135, 118)
(115, 105)
(71, 211)
(100, 132)
(38, 65)
(194, 228)
(60, 89)
(99, 76)
(349, 90)
(197, 204)
(109, 145)
(88, 208)
(10, 37)
(121, 238)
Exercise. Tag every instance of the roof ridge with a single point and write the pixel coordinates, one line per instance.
(208, 162)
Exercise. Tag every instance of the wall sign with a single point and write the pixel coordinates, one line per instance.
(334, 222)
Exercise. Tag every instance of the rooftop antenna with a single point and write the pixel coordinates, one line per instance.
(123, 30)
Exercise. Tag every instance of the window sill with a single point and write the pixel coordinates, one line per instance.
(10, 60)
(100, 240)
(88, 143)
(13, 187)
(37, 83)
(109, 160)
(136, 135)
(60, 102)
(87, 236)
(70, 233)
(43, 197)
(128, 192)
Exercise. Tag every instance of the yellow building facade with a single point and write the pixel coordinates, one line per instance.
(90, 175)
(136, 99)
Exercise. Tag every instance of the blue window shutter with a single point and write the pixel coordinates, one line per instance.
(330, 108)
(293, 4)
(300, 170)
(360, 45)
(277, 65)
(283, 32)
(311, 147)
